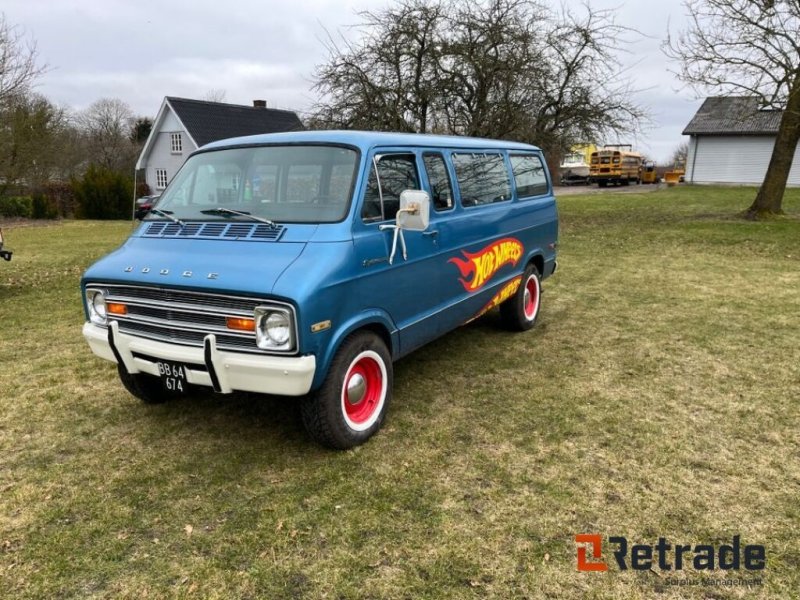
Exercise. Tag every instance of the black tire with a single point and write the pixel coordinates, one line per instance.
(146, 388)
(519, 313)
(362, 367)
(602, 183)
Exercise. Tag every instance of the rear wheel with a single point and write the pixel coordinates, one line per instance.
(521, 310)
(351, 405)
(146, 388)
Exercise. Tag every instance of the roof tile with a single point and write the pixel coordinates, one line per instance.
(211, 121)
(733, 115)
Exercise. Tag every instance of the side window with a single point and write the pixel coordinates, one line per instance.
(340, 181)
(396, 173)
(529, 175)
(439, 178)
(217, 184)
(482, 178)
(264, 183)
(302, 182)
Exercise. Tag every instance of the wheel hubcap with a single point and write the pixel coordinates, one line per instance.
(356, 388)
(363, 390)
(530, 297)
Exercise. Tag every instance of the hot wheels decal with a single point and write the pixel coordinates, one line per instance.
(485, 263)
(507, 291)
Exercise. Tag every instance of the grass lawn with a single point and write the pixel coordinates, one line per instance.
(657, 397)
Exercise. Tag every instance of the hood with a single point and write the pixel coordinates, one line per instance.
(218, 265)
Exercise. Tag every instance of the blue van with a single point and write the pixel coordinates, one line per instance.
(303, 264)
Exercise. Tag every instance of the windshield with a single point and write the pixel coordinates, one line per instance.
(299, 184)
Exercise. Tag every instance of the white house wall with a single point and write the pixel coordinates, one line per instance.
(161, 155)
(733, 159)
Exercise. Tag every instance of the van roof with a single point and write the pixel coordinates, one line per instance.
(365, 140)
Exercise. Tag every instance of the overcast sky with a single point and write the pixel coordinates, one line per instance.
(143, 50)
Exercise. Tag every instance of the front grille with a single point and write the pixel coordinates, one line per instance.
(218, 231)
(184, 318)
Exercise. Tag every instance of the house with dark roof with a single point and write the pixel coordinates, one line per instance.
(731, 141)
(183, 125)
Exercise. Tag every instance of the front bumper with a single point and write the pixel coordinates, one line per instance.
(224, 371)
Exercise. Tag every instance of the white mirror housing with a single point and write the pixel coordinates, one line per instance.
(415, 209)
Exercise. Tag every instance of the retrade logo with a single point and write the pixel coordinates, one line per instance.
(593, 540)
(668, 557)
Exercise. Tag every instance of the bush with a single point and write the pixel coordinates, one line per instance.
(61, 194)
(142, 189)
(103, 194)
(43, 207)
(16, 206)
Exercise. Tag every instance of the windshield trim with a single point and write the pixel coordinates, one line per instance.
(353, 183)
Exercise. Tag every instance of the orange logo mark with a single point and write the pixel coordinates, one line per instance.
(596, 543)
(484, 264)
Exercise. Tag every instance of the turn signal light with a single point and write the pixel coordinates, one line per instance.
(116, 308)
(240, 324)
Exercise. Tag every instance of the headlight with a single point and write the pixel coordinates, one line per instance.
(96, 301)
(274, 328)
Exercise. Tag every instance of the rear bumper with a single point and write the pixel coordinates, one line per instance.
(224, 371)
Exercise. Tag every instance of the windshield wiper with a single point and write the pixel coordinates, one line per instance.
(168, 215)
(221, 210)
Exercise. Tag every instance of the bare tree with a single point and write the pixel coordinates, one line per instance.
(18, 68)
(107, 125)
(30, 141)
(750, 47)
(679, 154)
(495, 68)
(215, 95)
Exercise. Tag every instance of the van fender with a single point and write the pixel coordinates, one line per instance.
(535, 256)
(373, 317)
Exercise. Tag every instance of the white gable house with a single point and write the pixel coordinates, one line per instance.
(731, 140)
(183, 125)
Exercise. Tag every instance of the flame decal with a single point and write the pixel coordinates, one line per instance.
(506, 292)
(485, 263)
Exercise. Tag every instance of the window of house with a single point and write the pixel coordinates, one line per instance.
(482, 178)
(529, 175)
(161, 178)
(439, 179)
(395, 174)
(176, 143)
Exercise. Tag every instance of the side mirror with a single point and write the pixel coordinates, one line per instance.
(415, 210)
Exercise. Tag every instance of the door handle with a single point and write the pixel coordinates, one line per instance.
(431, 233)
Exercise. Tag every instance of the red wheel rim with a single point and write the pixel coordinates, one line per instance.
(363, 390)
(531, 298)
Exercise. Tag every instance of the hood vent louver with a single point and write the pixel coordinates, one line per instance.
(220, 231)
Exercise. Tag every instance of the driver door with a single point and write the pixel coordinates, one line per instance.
(408, 289)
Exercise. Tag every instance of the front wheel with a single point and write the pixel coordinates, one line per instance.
(350, 407)
(521, 310)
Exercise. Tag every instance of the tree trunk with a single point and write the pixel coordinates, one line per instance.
(770, 195)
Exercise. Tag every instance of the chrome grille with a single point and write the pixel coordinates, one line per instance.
(182, 317)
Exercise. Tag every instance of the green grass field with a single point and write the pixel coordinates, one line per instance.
(657, 397)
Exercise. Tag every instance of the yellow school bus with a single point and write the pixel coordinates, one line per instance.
(616, 164)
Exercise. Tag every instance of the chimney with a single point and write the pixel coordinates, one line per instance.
(259, 103)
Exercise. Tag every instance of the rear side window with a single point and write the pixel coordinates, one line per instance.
(529, 175)
(482, 178)
(396, 173)
(439, 178)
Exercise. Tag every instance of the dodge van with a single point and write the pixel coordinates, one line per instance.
(303, 264)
